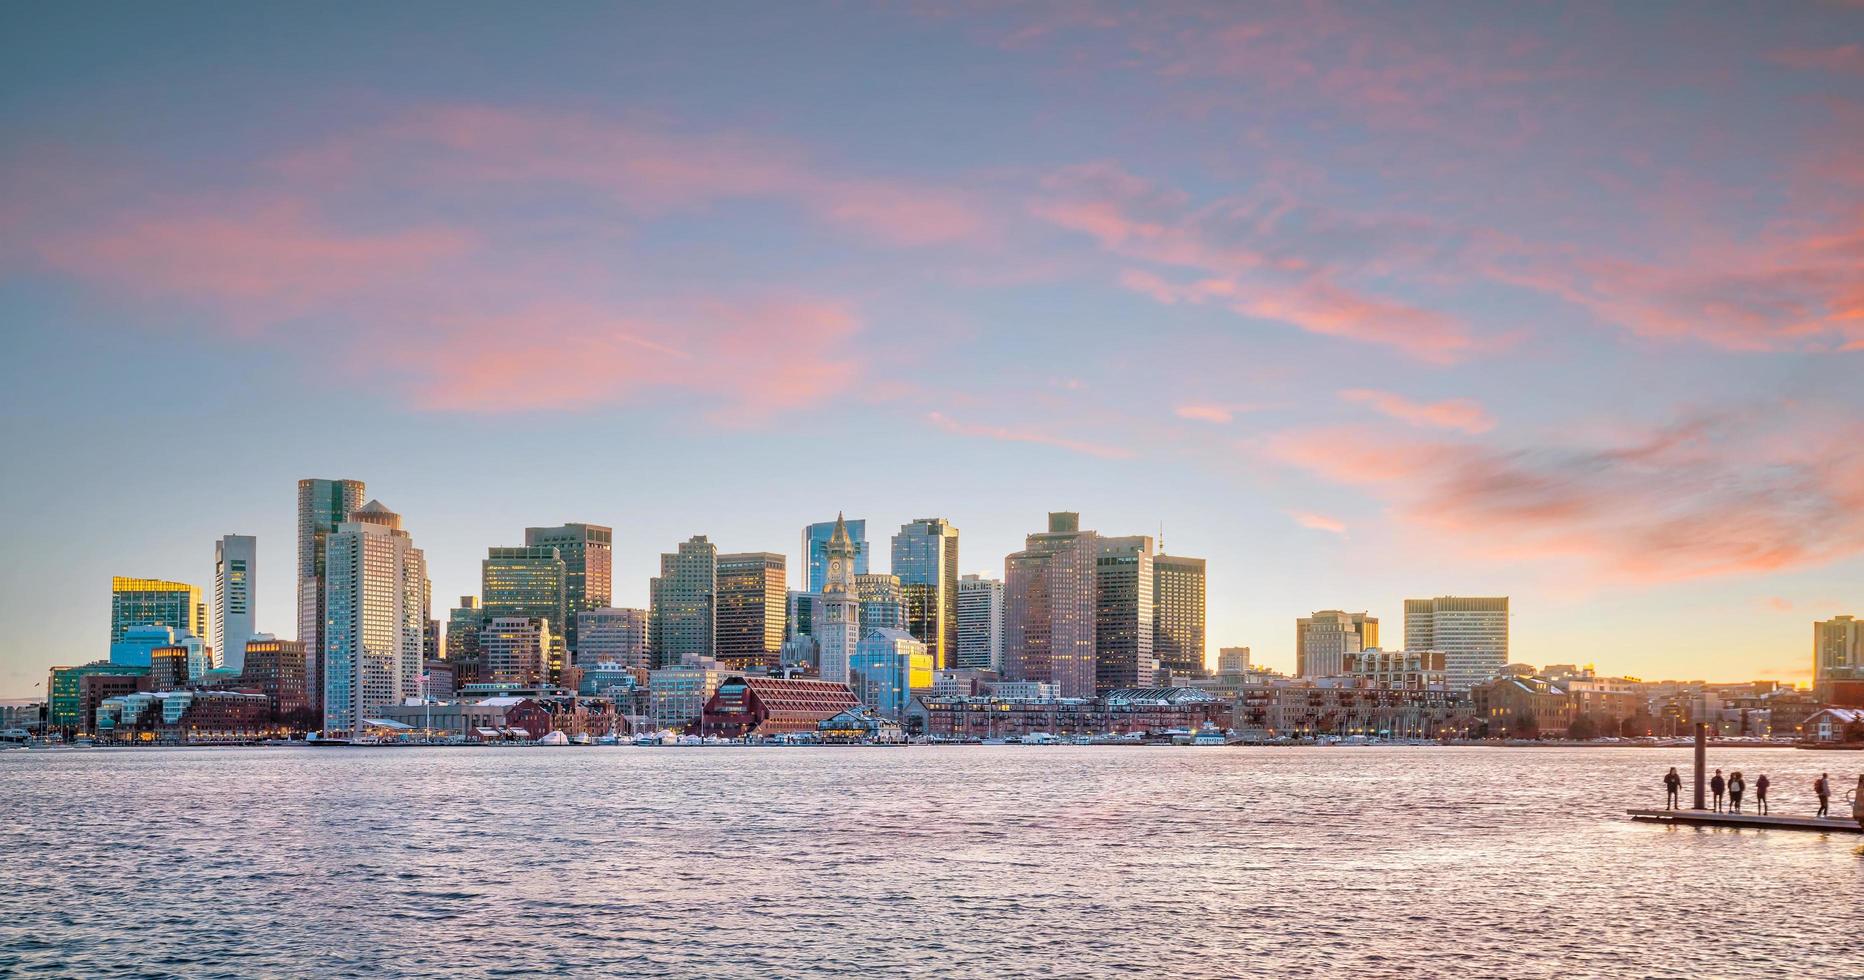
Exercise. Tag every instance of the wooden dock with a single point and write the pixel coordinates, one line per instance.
(1710, 818)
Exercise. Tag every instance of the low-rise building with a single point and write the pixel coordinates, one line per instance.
(859, 724)
(1832, 726)
(1342, 707)
(1119, 712)
(747, 705)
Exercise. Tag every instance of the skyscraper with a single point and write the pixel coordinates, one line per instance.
(375, 580)
(1472, 632)
(837, 611)
(235, 562)
(1178, 614)
(980, 623)
(463, 626)
(883, 602)
(1124, 592)
(154, 602)
(612, 636)
(679, 611)
(925, 557)
(1323, 641)
(322, 505)
(888, 666)
(516, 650)
(1837, 653)
(1048, 608)
(815, 544)
(588, 553)
(751, 602)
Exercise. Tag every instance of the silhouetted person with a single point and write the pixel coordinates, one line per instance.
(1822, 788)
(1760, 793)
(1718, 785)
(1736, 787)
(1857, 803)
(1672, 785)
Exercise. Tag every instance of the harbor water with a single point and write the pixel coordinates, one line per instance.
(973, 861)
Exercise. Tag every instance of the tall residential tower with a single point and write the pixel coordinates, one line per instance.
(322, 505)
(235, 562)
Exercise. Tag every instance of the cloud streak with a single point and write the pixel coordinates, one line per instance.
(1037, 437)
(1461, 414)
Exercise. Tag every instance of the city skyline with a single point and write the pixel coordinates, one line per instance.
(1358, 304)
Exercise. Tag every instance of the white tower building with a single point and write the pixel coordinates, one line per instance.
(235, 561)
(837, 626)
(374, 597)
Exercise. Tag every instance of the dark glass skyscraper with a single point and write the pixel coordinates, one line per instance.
(588, 553)
(322, 505)
(925, 558)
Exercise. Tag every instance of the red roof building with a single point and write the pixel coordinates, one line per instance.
(772, 706)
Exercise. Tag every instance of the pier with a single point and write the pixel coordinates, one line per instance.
(1701, 816)
(1711, 818)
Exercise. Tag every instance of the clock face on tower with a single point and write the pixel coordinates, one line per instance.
(834, 567)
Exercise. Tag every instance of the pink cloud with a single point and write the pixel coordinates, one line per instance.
(1461, 414)
(1008, 434)
(1721, 495)
(753, 360)
(1317, 522)
(274, 256)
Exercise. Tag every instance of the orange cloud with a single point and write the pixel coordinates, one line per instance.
(1703, 497)
(1318, 522)
(1461, 414)
(1007, 434)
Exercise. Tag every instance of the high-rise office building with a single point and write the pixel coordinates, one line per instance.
(612, 636)
(1323, 641)
(1471, 631)
(1178, 614)
(980, 623)
(528, 583)
(139, 643)
(322, 505)
(374, 591)
(168, 668)
(276, 668)
(800, 620)
(463, 625)
(1124, 593)
(679, 610)
(1837, 653)
(1232, 660)
(837, 629)
(588, 553)
(751, 601)
(154, 602)
(1048, 608)
(815, 550)
(883, 602)
(888, 666)
(925, 558)
(516, 650)
(236, 559)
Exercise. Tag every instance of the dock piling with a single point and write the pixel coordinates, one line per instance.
(1702, 765)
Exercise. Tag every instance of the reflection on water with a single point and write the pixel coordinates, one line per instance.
(965, 861)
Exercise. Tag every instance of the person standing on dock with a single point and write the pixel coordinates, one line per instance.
(1760, 793)
(1717, 786)
(1857, 803)
(1822, 787)
(1672, 785)
(1737, 787)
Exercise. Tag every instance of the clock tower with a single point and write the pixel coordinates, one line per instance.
(838, 614)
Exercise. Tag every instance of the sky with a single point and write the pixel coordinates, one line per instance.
(1359, 302)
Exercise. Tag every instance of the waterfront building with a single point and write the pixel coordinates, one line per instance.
(155, 602)
(1049, 606)
(748, 705)
(374, 594)
(1137, 711)
(1837, 654)
(679, 610)
(494, 719)
(677, 695)
(750, 602)
(980, 623)
(889, 665)
(859, 724)
(815, 551)
(1178, 614)
(463, 626)
(1520, 705)
(1401, 669)
(883, 602)
(1124, 591)
(1232, 660)
(1345, 708)
(64, 690)
(515, 650)
(1322, 641)
(1472, 632)
(95, 689)
(838, 626)
(588, 554)
(612, 636)
(236, 559)
(184, 717)
(322, 505)
(925, 559)
(277, 668)
(138, 643)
